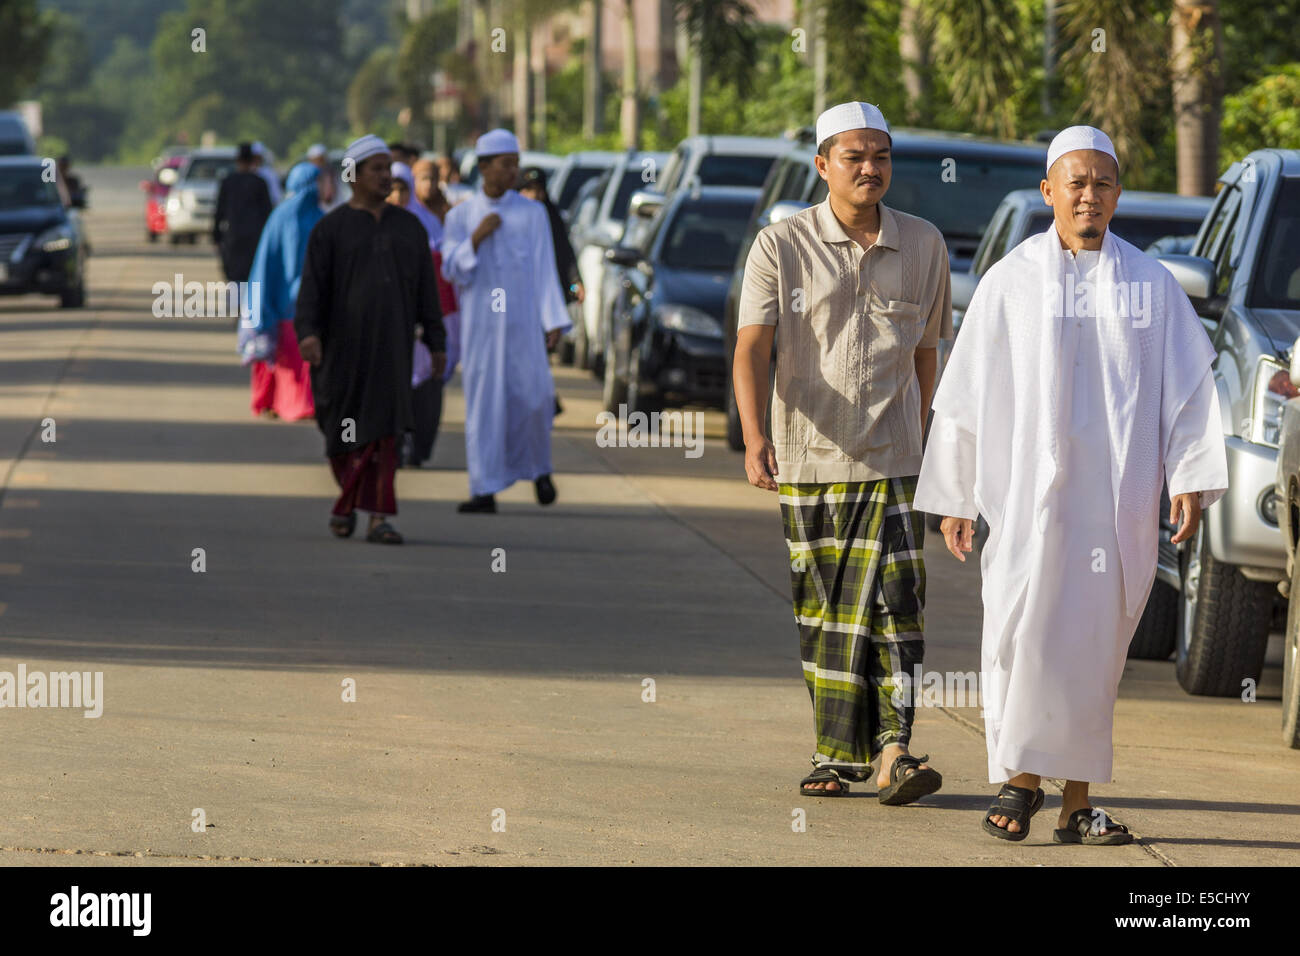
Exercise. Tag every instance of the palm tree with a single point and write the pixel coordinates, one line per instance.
(978, 44)
(630, 114)
(1196, 60)
(720, 33)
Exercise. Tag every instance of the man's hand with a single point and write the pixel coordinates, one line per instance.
(553, 339)
(485, 228)
(958, 535)
(760, 464)
(310, 349)
(1185, 512)
(439, 363)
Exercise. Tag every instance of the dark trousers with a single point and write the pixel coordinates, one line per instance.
(427, 402)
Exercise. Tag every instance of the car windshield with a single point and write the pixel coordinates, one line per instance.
(1277, 280)
(630, 182)
(208, 169)
(1139, 230)
(24, 186)
(574, 181)
(721, 169)
(705, 235)
(917, 187)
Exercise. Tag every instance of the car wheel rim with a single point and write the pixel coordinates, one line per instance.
(1191, 586)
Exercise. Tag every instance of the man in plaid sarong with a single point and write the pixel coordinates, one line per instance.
(861, 296)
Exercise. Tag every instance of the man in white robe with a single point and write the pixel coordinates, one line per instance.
(1079, 381)
(497, 250)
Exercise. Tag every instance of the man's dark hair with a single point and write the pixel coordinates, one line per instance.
(824, 150)
(246, 153)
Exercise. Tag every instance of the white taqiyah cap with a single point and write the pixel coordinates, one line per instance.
(365, 147)
(847, 116)
(1080, 137)
(317, 149)
(495, 142)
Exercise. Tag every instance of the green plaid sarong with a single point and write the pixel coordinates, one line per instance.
(858, 579)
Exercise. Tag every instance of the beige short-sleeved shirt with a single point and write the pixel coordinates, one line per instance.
(849, 320)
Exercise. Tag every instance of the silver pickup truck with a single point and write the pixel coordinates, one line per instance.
(1243, 277)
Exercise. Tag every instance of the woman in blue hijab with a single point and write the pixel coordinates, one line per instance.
(281, 380)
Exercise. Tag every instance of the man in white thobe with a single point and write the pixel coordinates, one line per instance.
(1079, 381)
(497, 250)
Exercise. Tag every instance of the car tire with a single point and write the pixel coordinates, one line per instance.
(581, 355)
(1223, 624)
(638, 399)
(735, 434)
(1291, 665)
(75, 297)
(1157, 631)
(153, 236)
(613, 393)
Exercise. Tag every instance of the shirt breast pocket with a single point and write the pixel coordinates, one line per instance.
(907, 322)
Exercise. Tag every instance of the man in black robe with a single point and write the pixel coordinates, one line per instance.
(367, 282)
(243, 203)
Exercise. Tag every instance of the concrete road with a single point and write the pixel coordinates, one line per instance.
(499, 717)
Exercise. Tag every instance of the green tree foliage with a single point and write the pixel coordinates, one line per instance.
(1266, 113)
(26, 34)
(269, 70)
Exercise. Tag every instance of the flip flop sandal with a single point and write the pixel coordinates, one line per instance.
(830, 774)
(343, 525)
(906, 787)
(1017, 803)
(1085, 826)
(384, 533)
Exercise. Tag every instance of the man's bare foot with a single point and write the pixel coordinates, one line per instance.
(1029, 781)
(887, 757)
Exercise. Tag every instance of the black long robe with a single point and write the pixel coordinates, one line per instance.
(366, 285)
(243, 204)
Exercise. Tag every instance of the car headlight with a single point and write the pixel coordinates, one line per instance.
(1273, 389)
(56, 239)
(173, 203)
(683, 318)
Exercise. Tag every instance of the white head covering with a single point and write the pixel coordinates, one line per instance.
(1079, 137)
(363, 148)
(847, 116)
(316, 150)
(496, 141)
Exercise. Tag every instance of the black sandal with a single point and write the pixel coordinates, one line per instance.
(831, 774)
(1086, 825)
(1016, 803)
(343, 525)
(384, 533)
(909, 782)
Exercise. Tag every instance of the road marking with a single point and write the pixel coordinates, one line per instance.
(10, 568)
(42, 453)
(15, 533)
(22, 502)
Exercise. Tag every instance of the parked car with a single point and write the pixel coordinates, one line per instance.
(567, 180)
(156, 191)
(704, 161)
(602, 229)
(1243, 278)
(15, 138)
(192, 201)
(985, 170)
(665, 337)
(1142, 218)
(42, 248)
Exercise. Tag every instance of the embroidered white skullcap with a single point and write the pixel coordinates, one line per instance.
(496, 141)
(1080, 137)
(847, 116)
(365, 147)
(317, 150)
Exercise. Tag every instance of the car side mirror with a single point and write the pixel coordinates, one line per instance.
(1196, 276)
(782, 209)
(645, 203)
(623, 255)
